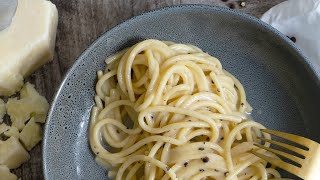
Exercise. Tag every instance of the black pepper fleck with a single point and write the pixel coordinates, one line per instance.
(231, 6)
(226, 173)
(205, 159)
(118, 131)
(167, 168)
(201, 170)
(200, 148)
(97, 152)
(185, 164)
(216, 170)
(242, 104)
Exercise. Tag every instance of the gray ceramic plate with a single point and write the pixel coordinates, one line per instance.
(280, 83)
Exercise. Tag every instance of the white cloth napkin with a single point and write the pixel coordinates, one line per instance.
(7, 10)
(300, 21)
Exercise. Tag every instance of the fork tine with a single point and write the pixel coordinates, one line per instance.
(287, 146)
(284, 154)
(294, 138)
(277, 162)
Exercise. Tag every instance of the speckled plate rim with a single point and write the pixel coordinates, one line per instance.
(302, 58)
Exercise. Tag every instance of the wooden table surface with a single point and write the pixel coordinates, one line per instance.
(80, 23)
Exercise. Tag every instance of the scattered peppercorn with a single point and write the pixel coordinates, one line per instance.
(200, 148)
(216, 170)
(231, 5)
(185, 164)
(205, 159)
(167, 168)
(242, 104)
(201, 170)
(293, 39)
(226, 173)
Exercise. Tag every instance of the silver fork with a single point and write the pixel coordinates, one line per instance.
(309, 165)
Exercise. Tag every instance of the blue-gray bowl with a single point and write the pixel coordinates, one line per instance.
(281, 85)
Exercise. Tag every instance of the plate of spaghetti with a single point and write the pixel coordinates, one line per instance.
(180, 93)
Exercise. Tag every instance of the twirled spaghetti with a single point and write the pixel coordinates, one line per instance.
(170, 111)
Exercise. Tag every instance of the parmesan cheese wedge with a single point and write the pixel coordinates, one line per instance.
(27, 43)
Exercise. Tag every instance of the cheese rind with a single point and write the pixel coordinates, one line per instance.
(27, 43)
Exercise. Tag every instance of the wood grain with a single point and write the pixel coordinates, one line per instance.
(80, 23)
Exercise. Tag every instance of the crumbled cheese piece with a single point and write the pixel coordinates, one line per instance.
(12, 153)
(4, 128)
(31, 134)
(6, 174)
(13, 131)
(30, 104)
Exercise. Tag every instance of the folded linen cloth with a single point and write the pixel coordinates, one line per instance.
(300, 21)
